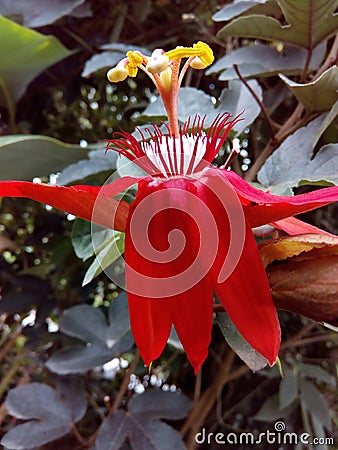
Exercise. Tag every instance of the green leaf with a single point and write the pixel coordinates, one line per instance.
(260, 60)
(314, 402)
(288, 389)
(308, 23)
(34, 13)
(48, 416)
(127, 168)
(249, 355)
(109, 246)
(319, 95)
(174, 340)
(24, 157)
(103, 341)
(110, 57)
(88, 239)
(319, 432)
(141, 423)
(234, 100)
(245, 7)
(331, 116)
(271, 411)
(316, 372)
(99, 161)
(82, 239)
(291, 162)
(24, 54)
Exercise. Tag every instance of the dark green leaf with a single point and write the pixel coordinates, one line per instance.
(288, 389)
(308, 23)
(156, 404)
(74, 395)
(109, 58)
(99, 161)
(265, 61)
(244, 7)
(24, 54)
(316, 372)
(33, 13)
(24, 157)
(52, 417)
(102, 341)
(271, 411)
(330, 117)
(141, 423)
(292, 162)
(82, 239)
(319, 432)
(314, 402)
(319, 95)
(244, 350)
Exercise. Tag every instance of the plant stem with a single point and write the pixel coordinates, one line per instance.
(260, 103)
(6, 380)
(205, 403)
(306, 66)
(10, 343)
(125, 383)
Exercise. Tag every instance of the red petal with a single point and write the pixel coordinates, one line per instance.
(246, 296)
(77, 200)
(262, 208)
(293, 227)
(150, 321)
(192, 315)
(238, 276)
(160, 284)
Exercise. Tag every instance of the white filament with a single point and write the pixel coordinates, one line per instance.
(172, 153)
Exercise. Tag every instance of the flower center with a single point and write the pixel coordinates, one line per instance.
(164, 70)
(176, 156)
(181, 150)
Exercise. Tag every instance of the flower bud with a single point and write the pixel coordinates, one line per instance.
(307, 287)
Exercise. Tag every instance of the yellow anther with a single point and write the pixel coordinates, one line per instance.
(206, 55)
(135, 59)
(197, 63)
(158, 62)
(181, 52)
(200, 49)
(132, 71)
(166, 78)
(117, 74)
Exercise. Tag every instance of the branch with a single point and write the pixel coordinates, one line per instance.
(262, 107)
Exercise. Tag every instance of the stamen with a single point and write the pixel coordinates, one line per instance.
(200, 49)
(233, 154)
(158, 62)
(135, 59)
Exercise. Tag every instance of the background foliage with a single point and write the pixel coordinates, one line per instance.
(70, 376)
